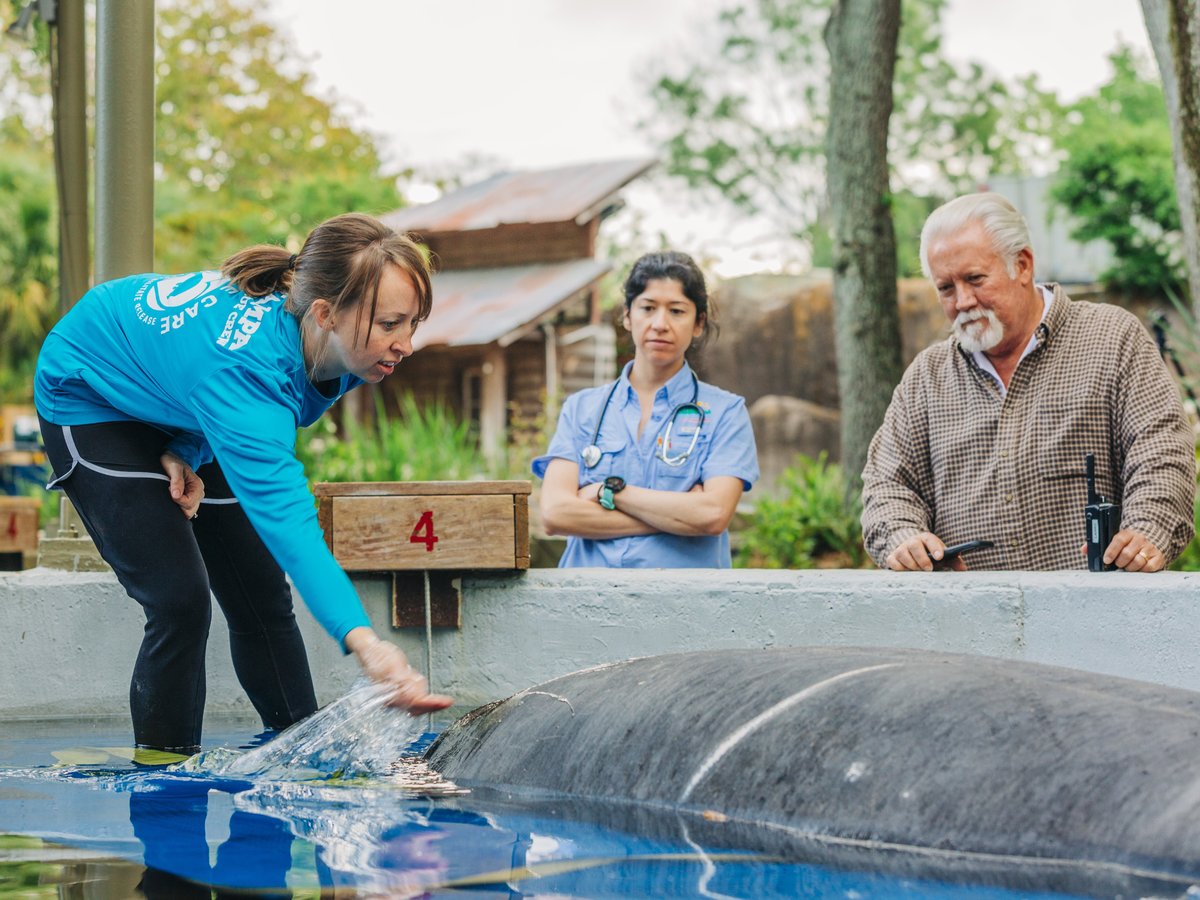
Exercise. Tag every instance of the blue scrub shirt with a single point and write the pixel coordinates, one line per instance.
(725, 446)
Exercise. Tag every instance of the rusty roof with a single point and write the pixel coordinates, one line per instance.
(569, 194)
(475, 307)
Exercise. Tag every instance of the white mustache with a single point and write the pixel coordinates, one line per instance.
(966, 317)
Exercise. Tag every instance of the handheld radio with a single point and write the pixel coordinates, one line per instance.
(1103, 520)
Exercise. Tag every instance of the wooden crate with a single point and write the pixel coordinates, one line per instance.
(424, 525)
(19, 529)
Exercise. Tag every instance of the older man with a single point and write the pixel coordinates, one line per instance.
(987, 433)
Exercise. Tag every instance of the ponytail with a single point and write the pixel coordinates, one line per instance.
(260, 270)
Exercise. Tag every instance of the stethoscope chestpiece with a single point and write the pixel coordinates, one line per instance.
(591, 455)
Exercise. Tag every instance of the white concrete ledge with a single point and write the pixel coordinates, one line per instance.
(68, 640)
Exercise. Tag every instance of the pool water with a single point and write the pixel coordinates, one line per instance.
(80, 818)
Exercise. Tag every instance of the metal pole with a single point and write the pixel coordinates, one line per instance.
(124, 152)
(69, 93)
(124, 138)
(428, 646)
(70, 146)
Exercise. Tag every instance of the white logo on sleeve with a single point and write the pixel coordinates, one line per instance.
(170, 303)
(180, 290)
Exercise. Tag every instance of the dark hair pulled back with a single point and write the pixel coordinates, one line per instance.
(343, 260)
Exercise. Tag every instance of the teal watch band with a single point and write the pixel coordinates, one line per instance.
(611, 486)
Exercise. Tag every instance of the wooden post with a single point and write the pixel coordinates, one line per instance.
(493, 406)
(550, 336)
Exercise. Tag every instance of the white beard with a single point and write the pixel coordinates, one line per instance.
(978, 338)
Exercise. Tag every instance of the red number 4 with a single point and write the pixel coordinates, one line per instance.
(422, 533)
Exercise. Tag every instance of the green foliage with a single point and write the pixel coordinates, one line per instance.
(1118, 178)
(806, 526)
(28, 207)
(909, 213)
(960, 119)
(28, 267)
(424, 443)
(1181, 341)
(24, 79)
(246, 150)
(1189, 559)
(745, 115)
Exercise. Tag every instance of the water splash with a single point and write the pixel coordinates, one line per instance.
(357, 735)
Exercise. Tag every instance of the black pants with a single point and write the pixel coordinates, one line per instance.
(113, 475)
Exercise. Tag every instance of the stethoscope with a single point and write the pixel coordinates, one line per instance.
(591, 453)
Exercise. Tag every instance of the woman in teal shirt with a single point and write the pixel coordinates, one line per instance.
(169, 407)
(647, 471)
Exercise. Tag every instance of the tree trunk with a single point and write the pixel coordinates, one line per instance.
(861, 37)
(1174, 31)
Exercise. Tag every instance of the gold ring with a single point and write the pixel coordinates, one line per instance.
(1142, 555)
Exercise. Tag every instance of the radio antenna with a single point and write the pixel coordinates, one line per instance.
(1090, 463)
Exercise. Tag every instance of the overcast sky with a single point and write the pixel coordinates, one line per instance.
(540, 83)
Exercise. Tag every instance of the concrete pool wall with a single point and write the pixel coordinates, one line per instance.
(69, 638)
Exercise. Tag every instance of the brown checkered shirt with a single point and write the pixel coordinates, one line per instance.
(956, 458)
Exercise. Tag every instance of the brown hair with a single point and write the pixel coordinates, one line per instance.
(343, 260)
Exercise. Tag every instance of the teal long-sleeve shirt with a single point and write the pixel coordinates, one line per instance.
(223, 373)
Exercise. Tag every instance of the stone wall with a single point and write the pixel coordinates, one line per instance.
(70, 638)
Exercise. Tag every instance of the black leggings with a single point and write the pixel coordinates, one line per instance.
(113, 475)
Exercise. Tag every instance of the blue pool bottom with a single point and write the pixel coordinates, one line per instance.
(194, 832)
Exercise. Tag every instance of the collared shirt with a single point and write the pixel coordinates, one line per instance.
(724, 446)
(981, 358)
(957, 458)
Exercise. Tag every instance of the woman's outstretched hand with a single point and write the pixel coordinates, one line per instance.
(385, 663)
(185, 486)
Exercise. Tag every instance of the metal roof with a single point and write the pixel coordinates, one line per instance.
(474, 307)
(569, 194)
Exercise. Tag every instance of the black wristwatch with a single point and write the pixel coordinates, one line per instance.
(613, 484)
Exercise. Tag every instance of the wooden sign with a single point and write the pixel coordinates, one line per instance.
(460, 525)
(19, 529)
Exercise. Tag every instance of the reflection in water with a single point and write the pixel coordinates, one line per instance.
(385, 843)
(342, 807)
(199, 834)
(339, 780)
(170, 818)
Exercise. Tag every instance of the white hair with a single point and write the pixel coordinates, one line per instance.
(1000, 220)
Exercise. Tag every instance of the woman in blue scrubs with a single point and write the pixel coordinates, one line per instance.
(647, 472)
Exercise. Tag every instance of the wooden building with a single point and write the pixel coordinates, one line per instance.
(516, 319)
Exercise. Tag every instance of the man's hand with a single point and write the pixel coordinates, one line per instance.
(386, 664)
(1133, 552)
(913, 555)
(185, 485)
